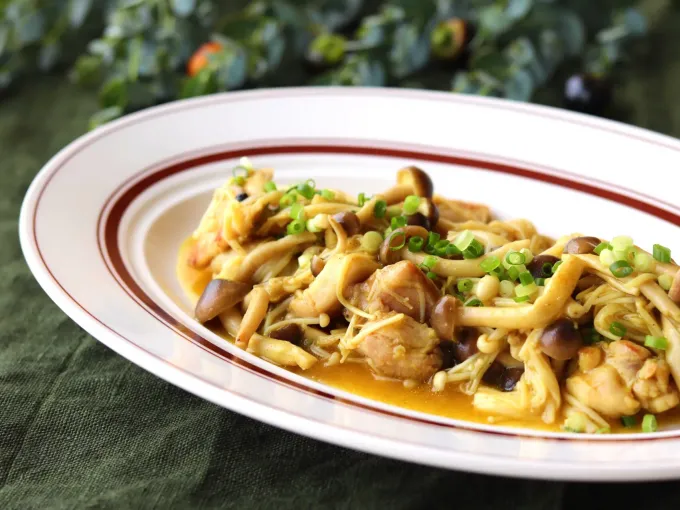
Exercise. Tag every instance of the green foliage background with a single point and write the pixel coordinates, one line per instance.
(136, 51)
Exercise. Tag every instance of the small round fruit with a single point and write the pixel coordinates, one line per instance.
(200, 57)
(587, 93)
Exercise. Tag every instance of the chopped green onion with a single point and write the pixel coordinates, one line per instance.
(546, 269)
(239, 181)
(621, 269)
(398, 221)
(465, 285)
(590, 336)
(507, 288)
(313, 224)
(269, 186)
(474, 250)
(415, 244)
(525, 278)
(665, 281)
(628, 421)
(661, 253)
(575, 422)
(431, 275)
(440, 247)
(305, 190)
(490, 263)
(603, 430)
(643, 262)
(621, 243)
(528, 256)
(240, 171)
(361, 200)
(515, 258)
(513, 273)
(617, 329)
(288, 199)
(432, 239)
(540, 282)
(297, 211)
(602, 246)
(429, 262)
(521, 299)
(411, 204)
(311, 183)
(607, 257)
(379, 209)
(656, 342)
(452, 250)
(397, 240)
(473, 302)
(295, 227)
(371, 241)
(649, 423)
(245, 163)
(327, 194)
(463, 240)
(526, 290)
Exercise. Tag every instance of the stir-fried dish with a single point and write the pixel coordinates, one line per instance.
(437, 298)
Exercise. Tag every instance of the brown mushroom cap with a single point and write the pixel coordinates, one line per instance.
(417, 179)
(219, 295)
(427, 215)
(389, 256)
(581, 245)
(466, 345)
(510, 378)
(349, 222)
(443, 317)
(289, 332)
(535, 267)
(561, 340)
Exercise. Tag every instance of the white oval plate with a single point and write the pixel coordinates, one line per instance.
(101, 224)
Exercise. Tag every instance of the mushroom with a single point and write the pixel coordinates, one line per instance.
(535, 267)
(510, 378)
(390, 256)
(581, 245)
(219, 295)
(426, 217)
(466, 346)
(289, 332)
(674, 292)
(561, 340)
(349, 222)
(417, 179)
(443, 317)
(316, 265)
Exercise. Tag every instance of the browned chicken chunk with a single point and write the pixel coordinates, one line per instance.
(400, 287)
(404, 350)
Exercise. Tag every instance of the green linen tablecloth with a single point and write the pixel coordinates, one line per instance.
(81, 427)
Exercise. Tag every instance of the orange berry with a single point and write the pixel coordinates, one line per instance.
(200, 58)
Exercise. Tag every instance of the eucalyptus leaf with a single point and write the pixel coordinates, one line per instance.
(183, 8)
(114, 93)
(494, 20)
(49, 55)
(4, 38)
(87, 70)
(635, 22)
(572, 31)
(78, 11)
(551, 48)
(30, 28)
(103, 116)
(489, 61)
(519, 86)
(517, 9)
(410, 51)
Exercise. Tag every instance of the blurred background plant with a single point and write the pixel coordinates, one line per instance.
(144, 52)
